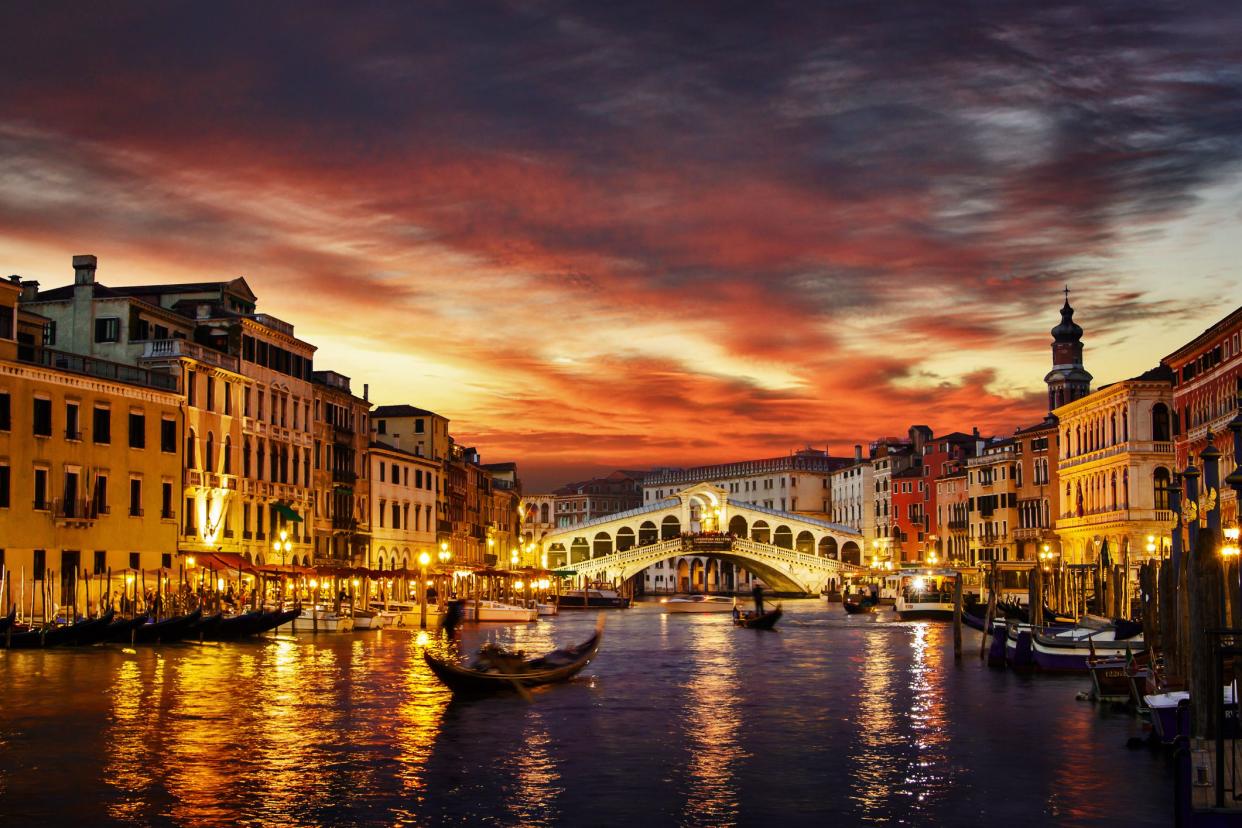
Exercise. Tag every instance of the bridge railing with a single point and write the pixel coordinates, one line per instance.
(790, 556)
(672, 546)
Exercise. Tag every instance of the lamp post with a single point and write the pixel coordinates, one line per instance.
(423, 560)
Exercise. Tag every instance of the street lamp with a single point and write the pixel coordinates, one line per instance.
(513, 558)
(423, 560)
(282, 546)
(1230, 548)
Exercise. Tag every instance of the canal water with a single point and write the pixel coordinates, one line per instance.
(681, 720)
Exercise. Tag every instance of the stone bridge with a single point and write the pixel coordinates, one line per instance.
(790, 552)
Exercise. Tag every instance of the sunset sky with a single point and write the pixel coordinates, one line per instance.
(601, 235)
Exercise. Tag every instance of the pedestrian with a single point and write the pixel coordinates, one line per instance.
(452, 620)
(757, 594)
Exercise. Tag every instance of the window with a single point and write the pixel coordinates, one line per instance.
(107, 329)
(6, 415)
(137, 430)
(418, 426)
(99, 500)
(40, 563)
(396, 516)
(166, 494)
(42, 417)
(191, 388)
(211, 393)
(135, 560)
(40, 489)
(101, 425)
(383, 426)
(4, 487)
(382, 466)
(73, 430)
(135, 497)
(6, 322)
(246, 402)
(228, 398)
(168, 435)
(101, 562)
(166, 560)
(189, 517)
(191, 462)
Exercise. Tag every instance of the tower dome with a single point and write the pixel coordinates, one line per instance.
(1068, 380)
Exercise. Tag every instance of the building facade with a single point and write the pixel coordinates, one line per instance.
(402, 506)
(342, 513)
(1116, 469)
(853, 493)
(1207, 379)
(1038, 496)
(991, 480)
(90, 467)
(576, 503)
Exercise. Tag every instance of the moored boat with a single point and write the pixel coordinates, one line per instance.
(925, 594)
(698, 603)
(501, 672)
(592, 598)
(499, 611)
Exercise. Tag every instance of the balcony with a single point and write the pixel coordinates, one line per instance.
(101, 368)
(958, 524)
(1130, 447)
(72, 510)
(170, 349)
(347, 523)
(136, 512)
(1110, 516)
(343, 476)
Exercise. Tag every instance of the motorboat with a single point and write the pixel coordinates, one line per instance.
(368, 619)
(1170, 718)
(498, 611)
(698, 603)
(592, 598)
(545, 608)
(924, 594)
(320, 619)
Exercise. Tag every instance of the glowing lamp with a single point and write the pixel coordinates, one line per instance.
(313, 583)
(189, 562)
(519, 585)
(424, 558)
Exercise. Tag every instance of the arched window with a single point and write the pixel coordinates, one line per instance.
(246, 458)
(191, 458)
(1112, 503)
(227, 464)
(1162, 484)
(1160, 423)
(258, 466)
(543, 513)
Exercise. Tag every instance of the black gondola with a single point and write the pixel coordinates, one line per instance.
(7, 621)
(556, 666)
(761, 621)
(51, 636)
(89, 631)
(170, 629)
(236, 626)
(120, 631)
(862, 605)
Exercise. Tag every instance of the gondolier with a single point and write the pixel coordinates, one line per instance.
(757, 594)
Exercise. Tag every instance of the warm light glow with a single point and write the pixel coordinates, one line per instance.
(189, 562)
(424, 558)
(422, 638)
(129, 579)
(314, 584)
(491, 542)
(1230, 548)
(219, 585)
(357, 583)
(919, 583)
(444, 546)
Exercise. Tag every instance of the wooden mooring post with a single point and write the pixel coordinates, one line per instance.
(957, 616)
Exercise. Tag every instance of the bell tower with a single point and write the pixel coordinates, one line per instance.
(1068, 380)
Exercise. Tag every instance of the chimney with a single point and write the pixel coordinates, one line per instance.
(84, 269)
(974, 432)
(857, 453)
(30, 290)
(366, 392)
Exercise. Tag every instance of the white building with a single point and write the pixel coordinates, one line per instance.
(403, 506)
(797, 483)
(853, 495)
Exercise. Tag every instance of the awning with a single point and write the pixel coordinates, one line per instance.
(225, 561)
(287, 513)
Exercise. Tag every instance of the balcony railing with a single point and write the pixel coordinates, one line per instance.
(164, 349)
(73, 508)
(1102, 516)
(78, 364)
(343, 476)
(1135, 446)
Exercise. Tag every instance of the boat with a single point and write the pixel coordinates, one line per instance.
(1170, 718)
(543, 608)
(82, 632)
(236, 626)
(277, 618)
(498, 611)
(321, 619)
(592, 598)
(366, 619)
(925, 594)
(497, 671)
(8, 620)
(1113, 678)
(758, 621)
(1069, 649)
(698, 603)
(861, 603)
(177, 628)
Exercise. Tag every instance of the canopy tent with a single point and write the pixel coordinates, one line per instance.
(286, 512)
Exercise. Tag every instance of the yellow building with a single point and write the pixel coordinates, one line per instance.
(342, 520)
(1115, 469)
(89, 467)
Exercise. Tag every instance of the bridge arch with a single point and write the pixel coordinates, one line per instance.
(670, 527)
(601, 545)
(759, 532)
(805, 543)
(579, 550)
(647, 533)
(737, 526)
(851, 554)
(783, 537)
(625, 538)
(828, 547)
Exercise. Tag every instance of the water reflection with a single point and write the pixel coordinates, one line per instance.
(419, 714)
(713, 727)
(537, 784)
(133, 749)
(927, 775)
(873, 774)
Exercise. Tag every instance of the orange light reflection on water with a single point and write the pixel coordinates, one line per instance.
(874, 777)
(713, 723)
(927, 776)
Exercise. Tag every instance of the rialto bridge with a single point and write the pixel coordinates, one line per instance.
(791, 553)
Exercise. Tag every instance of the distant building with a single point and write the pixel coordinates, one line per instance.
(797, 483)
(992, 484)
(576, 503)
(342, 485)
(402, 506)
(853, 495)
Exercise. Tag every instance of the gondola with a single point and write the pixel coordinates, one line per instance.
(89, 631)
(7, 621)
(556, 666)
(277, 618)
(860, 606)
(168, 630)
(761, 621)
(236, 626)
(121, 631)
(49, 636)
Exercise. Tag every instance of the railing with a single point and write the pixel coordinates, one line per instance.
(1115, 516)
(343, 476)
(101, 368)
(162, 349)
(1146, 446)
(344, 523)
(72, 508)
